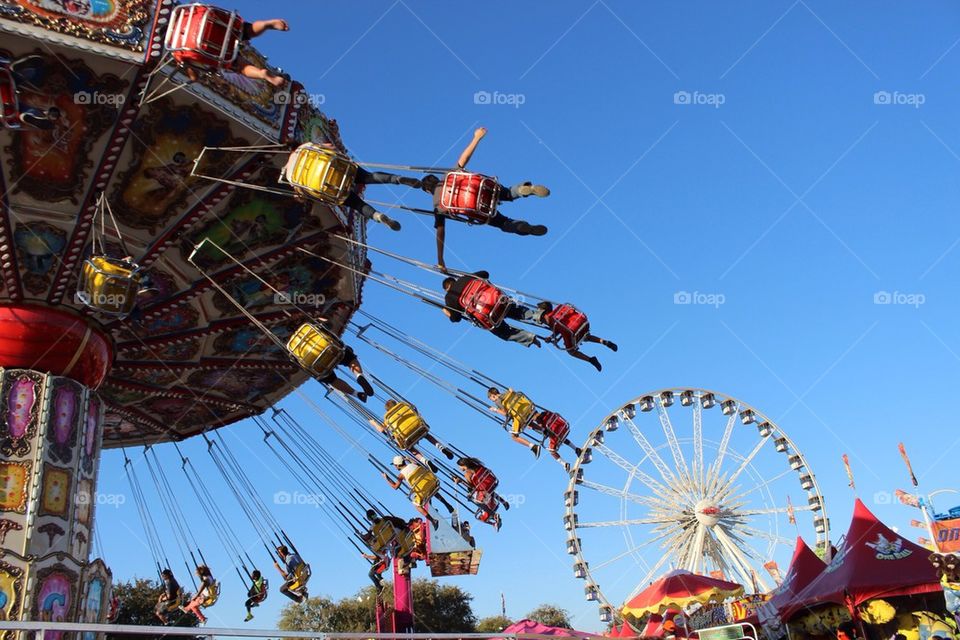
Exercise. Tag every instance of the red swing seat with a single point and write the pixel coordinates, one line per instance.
(469, 197)
(204, 36)
(567, 324)
(9, 104)
(483, 484)
(554, 426)
(484, 303)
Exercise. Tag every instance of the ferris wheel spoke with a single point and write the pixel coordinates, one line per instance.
(633, 549)
(618, 523)
(671, 435)
(696, 556)
(713, 477)
(762, 485)
(698, 446)
(772, 510)
(766, 535)
(651, 453)
(728, 482)
(625, 495)
(632, 470)
(735, 557)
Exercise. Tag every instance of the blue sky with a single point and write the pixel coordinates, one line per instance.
(736, 150)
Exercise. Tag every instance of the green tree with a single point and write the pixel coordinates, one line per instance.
(551, 615)
(436, 608)
(493, 624)
(138, 598)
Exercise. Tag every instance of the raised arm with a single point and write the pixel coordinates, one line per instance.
(468, 152)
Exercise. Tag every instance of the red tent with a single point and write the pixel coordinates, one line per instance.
(540, 629)
(805, 566)
(679, 589)
(873, 562)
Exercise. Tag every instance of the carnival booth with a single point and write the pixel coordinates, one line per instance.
(805, 566)
(876, 578)
(657, 609)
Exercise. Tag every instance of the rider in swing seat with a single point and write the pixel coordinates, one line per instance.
(403, 423)
(482, 484)
(252, 30)
(523, 414)
(459, 289)
(206, 591)
(169, 600)
(382, 539)
(292, 566)
(570, 326)
(434, 185)
(351, 362)
(362, 177)
(423, 484)
(256, 594)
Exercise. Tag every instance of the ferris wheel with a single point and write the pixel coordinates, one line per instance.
(687, 479)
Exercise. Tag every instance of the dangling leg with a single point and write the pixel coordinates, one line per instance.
(354, 202)
(439, 445)
(357, 372)
(523, 190)
(534, 448)
(258, 27)
(516, 227)
(382, 177)
(580, 355)
(257, 73)
(343, 387)
(607, 343)
(510, 333)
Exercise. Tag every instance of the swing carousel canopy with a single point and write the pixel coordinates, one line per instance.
(187, 358)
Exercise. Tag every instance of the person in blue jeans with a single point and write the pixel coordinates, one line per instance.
(454, 310)
(291, 564)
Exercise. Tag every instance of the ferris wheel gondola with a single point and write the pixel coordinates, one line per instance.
(653, 488)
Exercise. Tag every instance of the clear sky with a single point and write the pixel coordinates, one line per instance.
(793, 160)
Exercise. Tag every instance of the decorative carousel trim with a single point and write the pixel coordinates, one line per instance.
(101, 178)
(181, 394)
(75, 43)
(207, 364)
(215, 328)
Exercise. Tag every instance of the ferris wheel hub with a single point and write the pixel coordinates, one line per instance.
(707, 513)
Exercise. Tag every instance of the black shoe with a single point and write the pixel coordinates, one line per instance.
(535, 343)
(578, 451)
(447, 453)
(610, 345)
(538, 230)
(432, 466)
(596, 363)
(361, 396)
(367, 387)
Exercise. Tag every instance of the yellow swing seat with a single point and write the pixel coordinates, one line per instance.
(320, 173)
(405, 425)
(109, 285)
(410, 542)
(301, 576)
(423, 486)
(177, 602)
(520, 409)
(384, 534)
(315, 349)
(211, 595)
